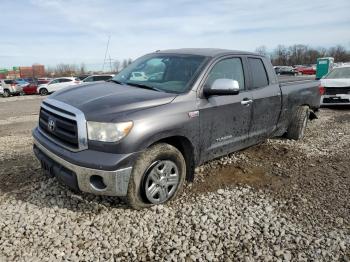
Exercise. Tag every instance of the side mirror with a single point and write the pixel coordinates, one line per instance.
(222, 87)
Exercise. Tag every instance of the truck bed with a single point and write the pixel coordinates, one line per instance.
(289, 80)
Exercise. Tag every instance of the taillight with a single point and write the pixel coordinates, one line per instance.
(322, 90)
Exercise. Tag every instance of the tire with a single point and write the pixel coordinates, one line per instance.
(6, 93)
(298, 123)
(159, 161)
(43, 92)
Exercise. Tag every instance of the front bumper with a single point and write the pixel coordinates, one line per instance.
(86, 179)
(340, 99)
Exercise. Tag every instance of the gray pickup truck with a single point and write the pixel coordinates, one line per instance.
(140, 135)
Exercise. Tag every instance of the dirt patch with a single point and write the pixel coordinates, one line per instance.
(256, 177)
(342, 118)
(18, 171)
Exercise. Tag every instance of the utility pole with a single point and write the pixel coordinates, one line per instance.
(104, 60)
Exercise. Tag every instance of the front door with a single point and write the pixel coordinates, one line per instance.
(225, 119)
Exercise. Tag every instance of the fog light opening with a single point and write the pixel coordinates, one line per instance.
(97, 182)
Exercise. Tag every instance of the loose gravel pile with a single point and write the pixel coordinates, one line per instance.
(237, 223)
(266, 203)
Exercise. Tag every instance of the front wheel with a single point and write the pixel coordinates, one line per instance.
(43, 92)
(298, 123)
(6, 93)
(157, 177)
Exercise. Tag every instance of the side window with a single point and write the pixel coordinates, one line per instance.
(100, 78)
(54, 81)
(230, 68)
(88, 79)
(258, 72)
(63, 80)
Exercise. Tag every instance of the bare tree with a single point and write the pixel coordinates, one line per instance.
(116, 66)
(280, 55)
(339, 53)
(305, 55)
(82, 69)
(124, 63)
(262, 50)
(66, 70)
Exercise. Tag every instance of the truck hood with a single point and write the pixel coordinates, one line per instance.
(107, 101)
(341, 82)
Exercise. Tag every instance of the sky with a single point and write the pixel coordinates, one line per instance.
(76, 31)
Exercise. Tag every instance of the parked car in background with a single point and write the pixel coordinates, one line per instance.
(1, 90)
(31, 89)
(82, 77)
(336, 86)
(285, 70)
(11, 87)
(57, 84)
(29, 80)
(306, 70)
(22, 82)
(95, 78)
(138, 76)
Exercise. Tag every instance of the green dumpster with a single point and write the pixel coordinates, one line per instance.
(324, 65)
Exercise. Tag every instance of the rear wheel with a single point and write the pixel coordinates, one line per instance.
(43, 91)
(6, 93)
(297, 126)
(157, 177)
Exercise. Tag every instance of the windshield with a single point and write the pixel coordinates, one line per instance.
(172, 73)
(339, 73)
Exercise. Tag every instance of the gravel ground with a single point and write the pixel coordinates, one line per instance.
(278, 201)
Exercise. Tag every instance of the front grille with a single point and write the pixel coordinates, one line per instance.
(337, 90)
(329, 100)
(64, 130)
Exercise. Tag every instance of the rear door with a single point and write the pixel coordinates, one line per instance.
(224, 119)
(53, 85)
(266, 94)
(64, 82)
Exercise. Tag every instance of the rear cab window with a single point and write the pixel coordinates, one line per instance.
(258, 73)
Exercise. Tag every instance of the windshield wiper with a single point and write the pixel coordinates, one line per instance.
(144, 86)
(115, 81)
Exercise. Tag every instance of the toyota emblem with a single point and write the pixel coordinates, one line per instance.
(51, 125)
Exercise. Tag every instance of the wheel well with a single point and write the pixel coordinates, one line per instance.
(186, 149)
(312, 114)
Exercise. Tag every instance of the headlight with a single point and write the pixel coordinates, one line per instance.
(108, 132)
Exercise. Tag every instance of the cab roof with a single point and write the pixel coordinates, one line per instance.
(209, 52)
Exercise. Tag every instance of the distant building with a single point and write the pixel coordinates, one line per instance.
(39, 70)
(26, 71)
(32, 71)
(12, 74)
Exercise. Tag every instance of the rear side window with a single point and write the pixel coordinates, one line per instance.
(9, 82)
(65, 80)
(258, 70)
(230, 68)
(99, 78)
(89, 79)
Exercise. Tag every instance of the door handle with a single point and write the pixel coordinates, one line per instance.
(246, 102)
